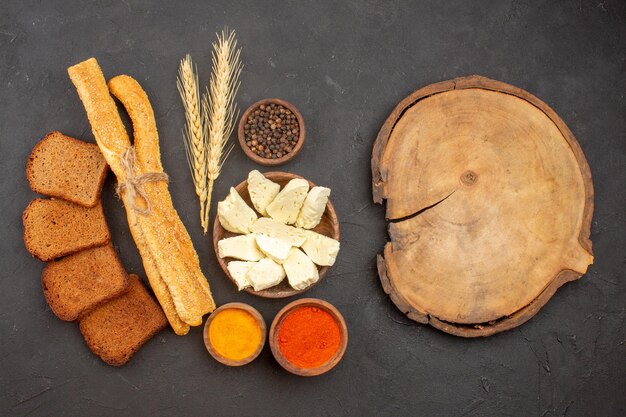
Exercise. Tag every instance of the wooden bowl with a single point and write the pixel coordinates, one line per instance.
(241, 306)
(313, 302)
(265, 161)
(329, 226)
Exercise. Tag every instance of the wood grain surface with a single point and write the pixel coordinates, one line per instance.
(489, 199)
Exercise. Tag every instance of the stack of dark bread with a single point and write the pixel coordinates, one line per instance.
(84, 280)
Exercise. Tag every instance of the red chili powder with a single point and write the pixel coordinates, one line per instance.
(308, 337)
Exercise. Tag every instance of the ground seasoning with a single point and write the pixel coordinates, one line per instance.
(271, 131)
(308, 337)
(235, 334)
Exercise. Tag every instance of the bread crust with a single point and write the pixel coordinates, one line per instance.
(38, 242)
(57, 191)
(154, 277)
(116, 330)
(136, 102)
(69, 304)
(171, 264)
(102, 112)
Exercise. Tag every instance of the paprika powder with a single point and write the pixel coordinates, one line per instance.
(309, 337)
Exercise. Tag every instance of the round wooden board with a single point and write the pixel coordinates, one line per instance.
(489, 199)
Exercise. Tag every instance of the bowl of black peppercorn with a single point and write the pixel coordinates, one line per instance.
(271, 131)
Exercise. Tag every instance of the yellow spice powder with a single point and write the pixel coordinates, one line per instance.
(234, 334)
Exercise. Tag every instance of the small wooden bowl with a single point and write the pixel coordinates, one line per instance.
(313, 302)
(265, 161)
(329, 226)
(241, 306)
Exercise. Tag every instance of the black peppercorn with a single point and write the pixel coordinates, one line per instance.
(271, 131)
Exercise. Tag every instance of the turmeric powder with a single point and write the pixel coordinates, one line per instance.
(235, 334)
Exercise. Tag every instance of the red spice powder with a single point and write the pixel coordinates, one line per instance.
(308, 337)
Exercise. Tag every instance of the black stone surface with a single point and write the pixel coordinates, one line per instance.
(345, 64)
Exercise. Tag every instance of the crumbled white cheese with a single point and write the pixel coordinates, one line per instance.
(235, 215)
(274, 248)
(321, 249)
(262, 191)
(239, 271)
(313, 207)
(242, 247)
(265, 274)
(273, 228)
(287, 204)
(301, 271)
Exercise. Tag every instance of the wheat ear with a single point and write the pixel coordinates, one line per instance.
(218, 105)
(193, 133)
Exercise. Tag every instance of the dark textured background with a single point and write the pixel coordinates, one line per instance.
(345, 65)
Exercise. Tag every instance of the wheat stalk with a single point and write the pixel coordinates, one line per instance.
(193, 133)
(219, 107)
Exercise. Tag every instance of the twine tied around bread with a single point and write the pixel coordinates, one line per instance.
(133, 186)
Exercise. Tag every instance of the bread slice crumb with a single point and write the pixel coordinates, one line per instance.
(79, 282)
(116, 330)
(67, 168)
(56, 228)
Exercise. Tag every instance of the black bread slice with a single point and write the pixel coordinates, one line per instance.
(117, 329)
(67, 168)
(77, 283)
(55, 228)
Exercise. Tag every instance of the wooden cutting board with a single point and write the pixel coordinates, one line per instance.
(489, 203)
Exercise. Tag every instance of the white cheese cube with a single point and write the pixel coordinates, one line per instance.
(235, 215)
(321, 249)
(301, 271)
(265, 274)
(239, 271)
(242, 247)
(287, 204)
(313, 207)
(262, 191)
(273, 228)
(274, 248)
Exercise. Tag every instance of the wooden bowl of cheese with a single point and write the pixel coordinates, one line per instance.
(328, 226)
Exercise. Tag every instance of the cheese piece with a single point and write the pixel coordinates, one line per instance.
(262, 191)
(242, 247)
(274, 248)
(300, 269)
(321, 249)
(287, 204)
(235, 215)
(265, 274)
(313, 207)
(239, 271)
(273, 228)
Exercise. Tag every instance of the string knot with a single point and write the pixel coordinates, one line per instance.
(133, 186)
